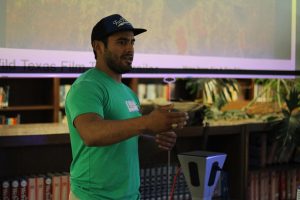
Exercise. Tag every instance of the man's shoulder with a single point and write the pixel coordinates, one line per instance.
(88, 77)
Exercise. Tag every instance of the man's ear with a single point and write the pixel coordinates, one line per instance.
(98, 46)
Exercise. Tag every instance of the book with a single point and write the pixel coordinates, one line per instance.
(4, 96)
(64, 190)
(289, 187)
(31, 187)
(264, 185)
(294, 183)
(256, 185)
(298, 193)
(48, 188)
(56, 186)
(5, 187)
(40, 189)
(2, 119)
(141, 91)
(23, 189)
(282, 185)
(14, 189)
(251, 186)
(13, 120)
(63, 91)
(1, 96)
(273, 192)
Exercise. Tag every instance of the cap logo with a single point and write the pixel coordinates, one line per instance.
(121, 22)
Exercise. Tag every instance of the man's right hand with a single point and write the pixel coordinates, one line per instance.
(163, 118)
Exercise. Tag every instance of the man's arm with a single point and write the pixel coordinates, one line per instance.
(95, 131)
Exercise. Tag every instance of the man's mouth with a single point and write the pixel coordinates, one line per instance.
(128, 58)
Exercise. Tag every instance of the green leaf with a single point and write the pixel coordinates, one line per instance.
(292, 101)
(286, 113)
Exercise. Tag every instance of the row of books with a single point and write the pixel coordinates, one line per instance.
(10, 120)
(164, 92)
(4, 96)
(63, 91)
(158, 183)
(62, 117)
(147, 93)
(273, 184)
(51, 186)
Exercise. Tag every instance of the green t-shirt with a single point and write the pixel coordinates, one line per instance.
(108, 172)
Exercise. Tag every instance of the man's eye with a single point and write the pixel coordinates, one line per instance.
(125, 42)
(122, 42)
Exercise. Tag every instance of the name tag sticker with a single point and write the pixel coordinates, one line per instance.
(131, 105)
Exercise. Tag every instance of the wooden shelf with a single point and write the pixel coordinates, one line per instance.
(34, 134)
(26, 108)
(33, 129)
(34, 140)
(276, 167)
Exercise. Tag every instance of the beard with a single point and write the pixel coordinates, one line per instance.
(117, 67)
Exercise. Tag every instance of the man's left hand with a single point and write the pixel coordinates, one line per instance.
(166, 140)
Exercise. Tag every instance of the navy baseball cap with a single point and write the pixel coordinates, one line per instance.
(112, 24)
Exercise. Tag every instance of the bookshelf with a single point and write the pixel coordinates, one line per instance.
(39, 100)
(33, 99)
(41, 144)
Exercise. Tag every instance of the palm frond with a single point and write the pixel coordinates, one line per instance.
(292, 100)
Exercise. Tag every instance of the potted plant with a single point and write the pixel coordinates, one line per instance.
(286, 94)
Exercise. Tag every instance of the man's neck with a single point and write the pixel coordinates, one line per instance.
(104, 68)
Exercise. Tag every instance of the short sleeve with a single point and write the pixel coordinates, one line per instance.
(85, 97)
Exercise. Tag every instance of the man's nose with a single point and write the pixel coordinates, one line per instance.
(130, 47)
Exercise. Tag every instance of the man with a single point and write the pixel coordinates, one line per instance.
(105, 122)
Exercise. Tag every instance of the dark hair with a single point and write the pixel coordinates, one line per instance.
(105, 42)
